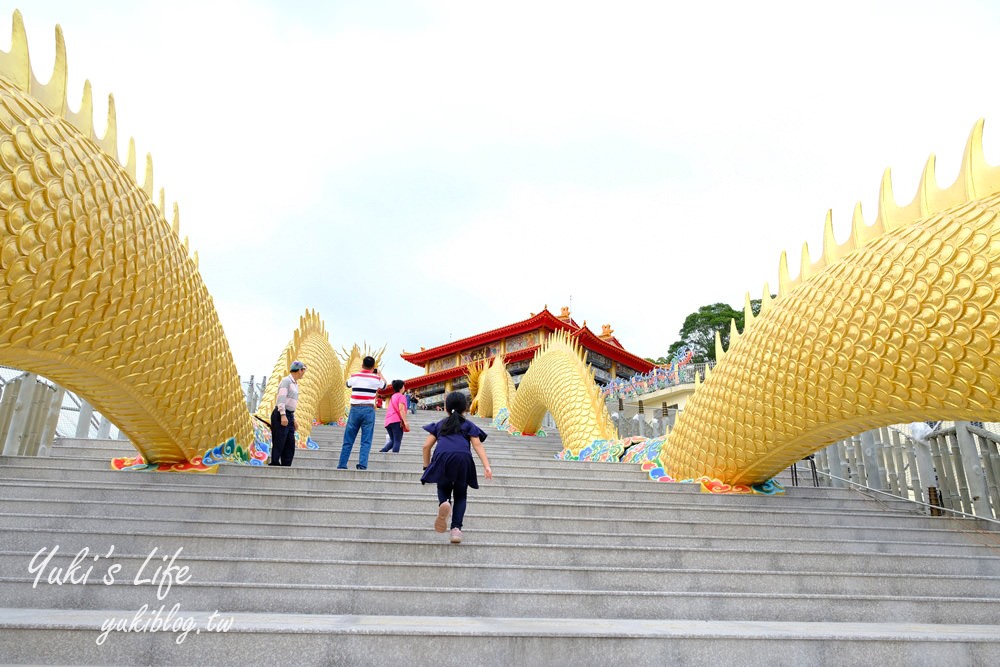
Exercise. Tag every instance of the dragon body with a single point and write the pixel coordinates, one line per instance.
(323, 381)
(97, 290)
(900, 322)
(99, 293)
(558, 381)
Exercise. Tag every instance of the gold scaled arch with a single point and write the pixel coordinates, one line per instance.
(900, 322)
(99, 293)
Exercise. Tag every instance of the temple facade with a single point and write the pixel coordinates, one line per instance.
(445, 366)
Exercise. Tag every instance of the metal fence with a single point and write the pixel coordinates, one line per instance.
(34, 411)
(254, 392)
(954, 468)
(652, 424)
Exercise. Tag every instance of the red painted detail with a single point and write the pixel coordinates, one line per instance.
(610, 348)
(543, 320)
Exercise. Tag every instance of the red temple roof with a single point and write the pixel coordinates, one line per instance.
(459, 371)
(609, 346)
(544, 319)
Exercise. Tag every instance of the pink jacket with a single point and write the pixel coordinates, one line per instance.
(393, 409)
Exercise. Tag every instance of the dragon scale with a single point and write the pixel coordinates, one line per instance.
(323, 380)
(493, 386)
(100, 295)
(899, 323)
(558, 381)
(905, 328)
(98, 292)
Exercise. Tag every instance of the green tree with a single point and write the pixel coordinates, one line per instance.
(698, 332)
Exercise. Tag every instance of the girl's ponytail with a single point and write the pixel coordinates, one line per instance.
(456, 405)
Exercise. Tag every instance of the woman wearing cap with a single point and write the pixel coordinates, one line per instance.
(283, 417)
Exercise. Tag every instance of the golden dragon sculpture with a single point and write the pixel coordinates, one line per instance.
(900, 322)
(99, 293)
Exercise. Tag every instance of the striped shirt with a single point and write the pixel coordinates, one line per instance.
(364, 386)
(288, 395)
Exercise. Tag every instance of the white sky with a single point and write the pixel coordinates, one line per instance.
(645, 158)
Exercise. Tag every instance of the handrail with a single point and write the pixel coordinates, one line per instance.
(655, 381)
(950, 430)
(916, 502)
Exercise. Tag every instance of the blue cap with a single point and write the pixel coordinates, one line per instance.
(297, 366)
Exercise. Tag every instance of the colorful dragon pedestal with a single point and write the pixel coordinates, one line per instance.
(99, 293)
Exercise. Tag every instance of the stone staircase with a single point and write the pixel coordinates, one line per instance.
(563, 563)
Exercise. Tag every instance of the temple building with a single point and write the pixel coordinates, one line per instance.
(445, 365)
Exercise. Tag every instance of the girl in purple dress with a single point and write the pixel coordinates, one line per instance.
(452, 467)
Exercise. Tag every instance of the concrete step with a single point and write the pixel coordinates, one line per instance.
(663, 603)
(71, 637)
(551, 548)
(553, 535)
(324, 519)
(641, 491)
(478, 548)
(755, 510)
(402, 461)
(17, 564)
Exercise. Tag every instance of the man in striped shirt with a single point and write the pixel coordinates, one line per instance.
(363, 386)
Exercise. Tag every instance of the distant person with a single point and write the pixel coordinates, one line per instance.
(452, 468)
(364, 386)
(395, 418)
(283, 426)
(411, 402)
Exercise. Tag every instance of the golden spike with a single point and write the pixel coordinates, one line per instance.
(147, 181)
(83, 119)
(734, 333)
(15, 64)
(928, 189)
(784, 280)
(176, 225)
(861, 232)
(832, 251)
(185, 244)
(697, 380)
(708, 372)
(981, 178)
(924, 202)
(748, 316)
(196, 259)
(109, 142)
(765, 300)
(130, 160)
(975, 172)
(53, 93)
(805, 265)
(932, 198)
(888, 210)
(163, 202)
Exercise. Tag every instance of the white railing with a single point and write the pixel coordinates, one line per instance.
(955, 468)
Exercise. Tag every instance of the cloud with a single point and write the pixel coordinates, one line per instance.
(644, 157)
